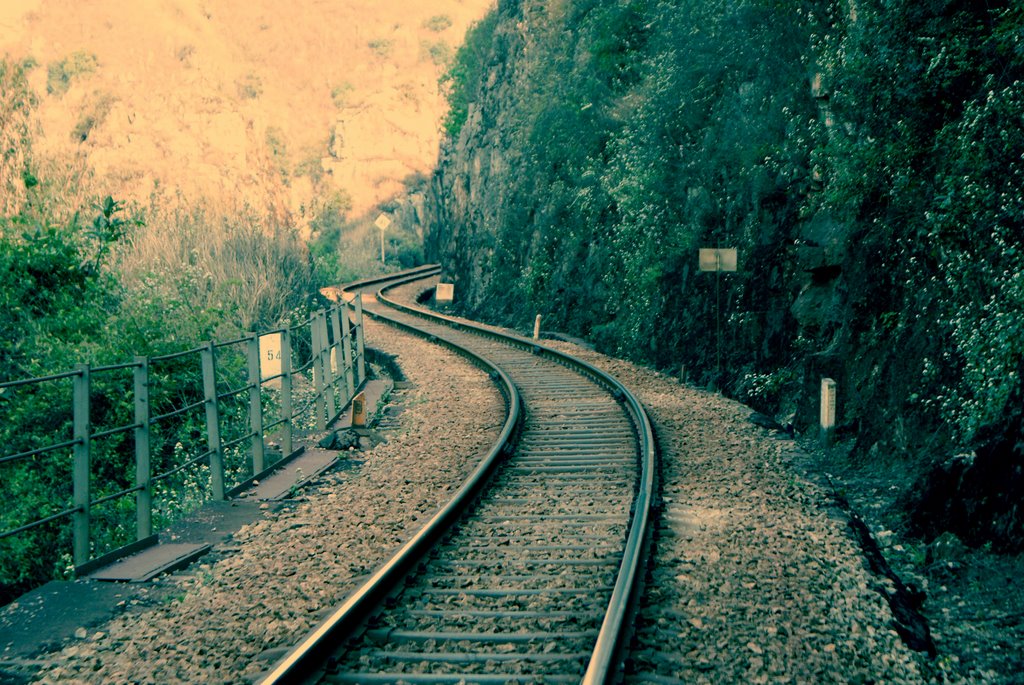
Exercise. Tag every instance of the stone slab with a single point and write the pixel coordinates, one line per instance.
(151, 562)
(278, 485)
(49, 615)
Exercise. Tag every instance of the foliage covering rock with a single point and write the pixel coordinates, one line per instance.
(863, 157)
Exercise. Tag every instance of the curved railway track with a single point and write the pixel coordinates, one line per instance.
(529, 574)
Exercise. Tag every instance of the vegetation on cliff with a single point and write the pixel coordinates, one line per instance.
(863, 157)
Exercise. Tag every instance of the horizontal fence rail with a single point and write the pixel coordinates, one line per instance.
(200, 410)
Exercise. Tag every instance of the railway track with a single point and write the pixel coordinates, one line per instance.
(529, 574)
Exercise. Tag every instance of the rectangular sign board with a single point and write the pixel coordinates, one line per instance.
(717, 259)
(445, 292)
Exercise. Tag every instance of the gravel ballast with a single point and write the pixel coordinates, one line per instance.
(756, 578)
(228, 619)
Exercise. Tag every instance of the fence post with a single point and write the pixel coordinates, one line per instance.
(337, 355)
(256, 405)
(286, 392)
(346, 351)
(209, 359)
(360, 343)
(80, 475)
(144, 495)
(318, 372)
(325, 363)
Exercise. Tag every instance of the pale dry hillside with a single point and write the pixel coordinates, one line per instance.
(235, 102)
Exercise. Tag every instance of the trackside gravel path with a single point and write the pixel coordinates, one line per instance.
(756, 580)
(209, 624)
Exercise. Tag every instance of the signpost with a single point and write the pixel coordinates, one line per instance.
(382, 222)
(717, 259)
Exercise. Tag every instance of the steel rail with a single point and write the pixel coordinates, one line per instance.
(307, 657)
(610, 642)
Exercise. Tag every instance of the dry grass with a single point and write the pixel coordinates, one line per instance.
(252, 273)
(195, 85)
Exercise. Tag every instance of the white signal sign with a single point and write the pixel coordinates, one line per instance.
(717, 259)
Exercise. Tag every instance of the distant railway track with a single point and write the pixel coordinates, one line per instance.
(529, 574)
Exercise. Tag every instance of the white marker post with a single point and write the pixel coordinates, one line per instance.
(382, 222)
(828, 412)
(270, 357)
(536, 328)
(359, 411)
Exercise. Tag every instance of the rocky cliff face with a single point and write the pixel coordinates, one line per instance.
(835, 146)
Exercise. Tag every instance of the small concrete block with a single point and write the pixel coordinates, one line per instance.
(445, 292)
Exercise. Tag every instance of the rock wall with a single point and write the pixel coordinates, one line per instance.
(605, 143)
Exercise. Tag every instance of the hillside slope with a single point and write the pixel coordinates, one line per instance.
(257, 102)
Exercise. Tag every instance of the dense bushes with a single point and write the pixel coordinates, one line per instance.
(464, 74)
(926, 166)
(87, 281)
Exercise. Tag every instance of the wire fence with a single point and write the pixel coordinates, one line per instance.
(197, 425)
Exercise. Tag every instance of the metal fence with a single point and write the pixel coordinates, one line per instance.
(217, 389)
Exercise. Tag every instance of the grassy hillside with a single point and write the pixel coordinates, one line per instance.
(162, 166)
(266, 104)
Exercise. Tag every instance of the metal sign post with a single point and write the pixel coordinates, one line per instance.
(717, 260)
(382, 222)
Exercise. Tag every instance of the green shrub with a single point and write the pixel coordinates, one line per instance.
(463, 77)
(94, 115)
(59, 75)
(438, 23)
(249, 87)
(381, 46)
(438, 52)
(340, 94)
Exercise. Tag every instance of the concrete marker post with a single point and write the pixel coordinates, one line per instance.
(208, 354)
(338, 354)
(828, 412)
(359, 411)
(318, 374)
(346, 352)
(536, 328)
(286, 392)
(325, 364)
(360, 341)
(256, 404)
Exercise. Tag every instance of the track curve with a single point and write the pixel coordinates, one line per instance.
(536, 580)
